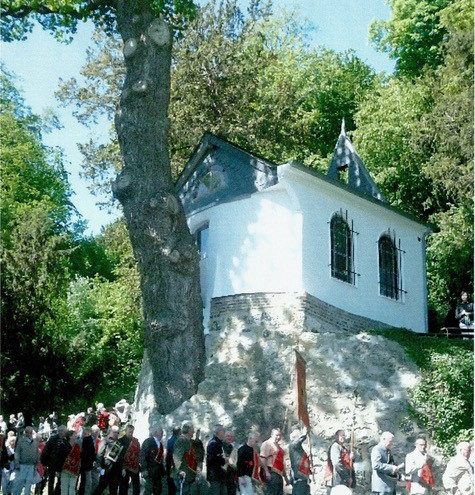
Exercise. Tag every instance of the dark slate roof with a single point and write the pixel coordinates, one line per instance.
(345, 157)
(219, 172)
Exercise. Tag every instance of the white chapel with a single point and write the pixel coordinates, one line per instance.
(263, 228)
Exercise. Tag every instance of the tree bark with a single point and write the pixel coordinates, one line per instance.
(163, 246)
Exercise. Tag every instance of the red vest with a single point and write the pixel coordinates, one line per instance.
(278, 466)
(304, 465)
(256, 471)
(131, 458)
(427, 476)
(72, 464)
(190, 458)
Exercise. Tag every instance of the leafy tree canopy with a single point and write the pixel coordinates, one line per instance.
(288, 106)
(414, 35)
(61, 17)
(415, 133)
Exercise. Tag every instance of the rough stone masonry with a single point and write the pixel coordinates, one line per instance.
(354, 379)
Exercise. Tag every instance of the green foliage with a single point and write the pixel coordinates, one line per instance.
(98, 324)
(413, 36)
(35, 246)
(288, 106)
(388, 126)
(103, 337)
(70, 305)
(61, 17)
(443, 399)
(450, 258)
(416, 136)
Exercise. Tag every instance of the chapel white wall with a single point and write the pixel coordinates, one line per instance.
(278, 240)
(254, 245)
(370, 221)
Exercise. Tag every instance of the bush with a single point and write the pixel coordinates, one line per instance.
(443, 400)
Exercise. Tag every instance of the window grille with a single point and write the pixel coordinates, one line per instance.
(390, 260)
(342, 248)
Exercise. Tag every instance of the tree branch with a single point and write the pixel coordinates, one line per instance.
(20, 11)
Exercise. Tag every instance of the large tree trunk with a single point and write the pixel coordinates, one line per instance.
(163, 246)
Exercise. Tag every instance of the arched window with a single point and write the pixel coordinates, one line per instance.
(389, 280)
(341, 249)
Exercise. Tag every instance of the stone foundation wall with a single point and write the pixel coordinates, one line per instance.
(354, 379)
(313, 314)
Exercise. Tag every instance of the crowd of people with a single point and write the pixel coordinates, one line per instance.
(97, 450)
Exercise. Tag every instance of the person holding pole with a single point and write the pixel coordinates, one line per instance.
(299, 463)
(185, 459)
(341, 462)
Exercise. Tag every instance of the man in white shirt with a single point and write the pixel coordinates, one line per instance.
(458, 475)
(415, 462)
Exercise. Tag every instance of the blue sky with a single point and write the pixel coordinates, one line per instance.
(40, 62)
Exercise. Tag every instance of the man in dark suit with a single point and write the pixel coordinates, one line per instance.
(152, 462)
(216, 463)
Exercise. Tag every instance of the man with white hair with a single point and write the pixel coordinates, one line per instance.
(385, 470)
(458, 475)
(419, 469)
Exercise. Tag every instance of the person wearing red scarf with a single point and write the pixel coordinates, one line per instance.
(418, 467)
(152, 462)
(300, 463)
(130, 462)
(273, 456)
(72, 463)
